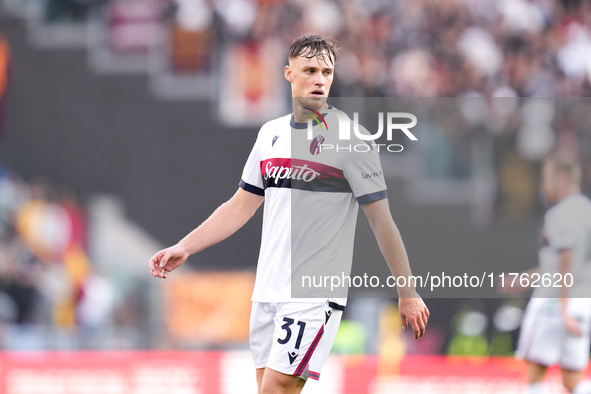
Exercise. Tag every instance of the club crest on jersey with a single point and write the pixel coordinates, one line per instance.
(316, 145)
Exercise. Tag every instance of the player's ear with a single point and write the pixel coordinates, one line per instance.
(287, 74)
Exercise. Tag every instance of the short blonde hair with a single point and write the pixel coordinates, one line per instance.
(310, 45)
(566, 163)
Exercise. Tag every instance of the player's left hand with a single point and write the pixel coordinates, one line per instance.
(414, 311)
(572, 325)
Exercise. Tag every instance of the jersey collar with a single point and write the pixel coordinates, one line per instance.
(304, 125)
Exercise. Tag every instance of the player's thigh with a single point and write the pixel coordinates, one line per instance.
(262, 327)
(275, 382)
(570, 379)
(260, 372)
(299, 328)
(535, 372)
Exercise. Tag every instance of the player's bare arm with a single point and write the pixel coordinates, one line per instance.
(564, 265)
(223, 222)
(411, 306)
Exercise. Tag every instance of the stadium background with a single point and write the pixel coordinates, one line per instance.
(124, 123)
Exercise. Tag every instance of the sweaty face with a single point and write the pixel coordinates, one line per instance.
(310, 79)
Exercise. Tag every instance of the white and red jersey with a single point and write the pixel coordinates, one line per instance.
(544, 338)
(567, 226)
(312, 198)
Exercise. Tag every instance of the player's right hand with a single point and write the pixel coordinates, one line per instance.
(413, 311)
(167, 260)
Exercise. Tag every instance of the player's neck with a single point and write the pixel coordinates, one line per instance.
(569, 192)
(299, 113)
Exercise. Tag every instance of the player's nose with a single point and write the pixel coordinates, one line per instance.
(319, 80)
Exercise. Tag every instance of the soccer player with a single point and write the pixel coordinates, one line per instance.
(556, 324)
(290, 338)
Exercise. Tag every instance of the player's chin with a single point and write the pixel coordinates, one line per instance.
(314, 102)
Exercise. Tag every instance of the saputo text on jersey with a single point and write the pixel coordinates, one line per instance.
(300, 173)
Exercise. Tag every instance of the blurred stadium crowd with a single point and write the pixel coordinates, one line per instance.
(51, 295)
(403, 48)
(425, 47)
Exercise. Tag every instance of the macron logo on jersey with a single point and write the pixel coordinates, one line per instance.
(274, 140)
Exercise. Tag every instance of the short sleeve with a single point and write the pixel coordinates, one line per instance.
(364, 173)
(560, 231)
(251, 180)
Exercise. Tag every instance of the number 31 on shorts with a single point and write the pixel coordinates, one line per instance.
(287, 325)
